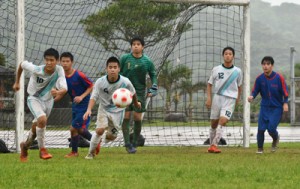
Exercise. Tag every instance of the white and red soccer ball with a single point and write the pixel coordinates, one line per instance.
(122, 97)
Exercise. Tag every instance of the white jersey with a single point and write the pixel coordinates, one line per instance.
(103, 91)
(40, 83)
(226, 80)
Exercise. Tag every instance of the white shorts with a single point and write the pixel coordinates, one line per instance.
(39, 107)
(222, 106)
(110, 121)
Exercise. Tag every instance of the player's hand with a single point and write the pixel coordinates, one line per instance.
(285, 107)
(78, 99)
(16, 86)
(208, 103)
(87, 114)
(54, 92)
(250, 99)
(153, 91)
(138, 105)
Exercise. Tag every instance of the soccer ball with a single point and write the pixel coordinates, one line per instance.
(122, 97)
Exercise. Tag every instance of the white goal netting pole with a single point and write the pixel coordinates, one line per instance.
(20, 51)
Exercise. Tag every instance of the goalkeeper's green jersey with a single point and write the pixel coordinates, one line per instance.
(136, 69)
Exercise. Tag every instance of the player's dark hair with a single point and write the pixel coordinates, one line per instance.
(137, 38)
(112, 59)
(67, 55)
(51, 52)
(268, 59)
(228, 48)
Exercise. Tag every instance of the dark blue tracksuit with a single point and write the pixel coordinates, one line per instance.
(274, 93)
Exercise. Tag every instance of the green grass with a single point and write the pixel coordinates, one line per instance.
(156, 167)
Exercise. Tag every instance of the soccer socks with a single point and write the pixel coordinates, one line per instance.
(40, 136)
(30, 138)
(86, 134)
(219, 132)
(212, 134)
(273, 134)
(137, 131)
(260, 138)
(125, 130)
(74, 143)
(95, 140)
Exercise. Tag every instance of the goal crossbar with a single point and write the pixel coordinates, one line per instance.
(208, 2)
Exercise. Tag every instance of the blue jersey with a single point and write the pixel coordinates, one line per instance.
(273, 90)
(78, 83)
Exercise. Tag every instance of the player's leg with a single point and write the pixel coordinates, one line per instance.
(262, 126)
(74, 142)
(126, 125)
(137, 117)
(41, 110)
(83, 131)
(274, 120)
(101, 125)
(24, 146)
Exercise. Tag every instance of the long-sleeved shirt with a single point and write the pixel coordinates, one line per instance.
(273, 90)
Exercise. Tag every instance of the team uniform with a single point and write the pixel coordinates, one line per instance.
(274, 93)
(226, 82)
(109, 116)
(40, 101)
(136, 69)
(78, 83)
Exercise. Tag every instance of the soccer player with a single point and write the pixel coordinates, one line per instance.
(109, 116)
(274, 92)
(79, 89)
(227, 80)
(136, 66)
(47, 84)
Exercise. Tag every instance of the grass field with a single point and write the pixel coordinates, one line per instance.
(157, 167)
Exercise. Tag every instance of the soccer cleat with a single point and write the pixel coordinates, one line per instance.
(44, 154)
(260, 151)
(213, 149)
(130, 149)
(275, 144)
(90, 156)
(24, 152)
(98, 148)
(72, 154)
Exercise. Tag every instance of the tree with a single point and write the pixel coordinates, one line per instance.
(187, 87)
(169, 78)
(2, 60)
(123, 19)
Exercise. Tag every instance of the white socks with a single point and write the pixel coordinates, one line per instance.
(40, 137)
(212, 134)
(94, 142)
(218, 136)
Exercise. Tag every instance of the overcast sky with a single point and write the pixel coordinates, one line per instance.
(278, 2)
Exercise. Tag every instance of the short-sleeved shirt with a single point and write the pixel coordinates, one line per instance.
(41, 83)
(103, 90)
(78, 83)
(226, 80)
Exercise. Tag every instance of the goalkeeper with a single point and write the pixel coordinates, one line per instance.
(136, 66)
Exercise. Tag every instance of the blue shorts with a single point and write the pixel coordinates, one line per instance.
(77, 118)
(269, 118)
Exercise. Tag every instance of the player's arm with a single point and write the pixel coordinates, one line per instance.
(153, 76)
(208, 92)
(86, 82)
(88, 112)
(78, 99)
(255, 91)
(239, 95)
(136, 103)
(16, 85)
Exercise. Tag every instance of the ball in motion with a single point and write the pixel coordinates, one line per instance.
(122, 97)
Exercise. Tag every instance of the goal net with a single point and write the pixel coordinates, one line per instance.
(183, 59)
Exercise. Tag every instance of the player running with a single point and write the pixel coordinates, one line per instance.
(136, 66)
(79, 89)
(227, 81)
(109, 117)
(46, 81)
